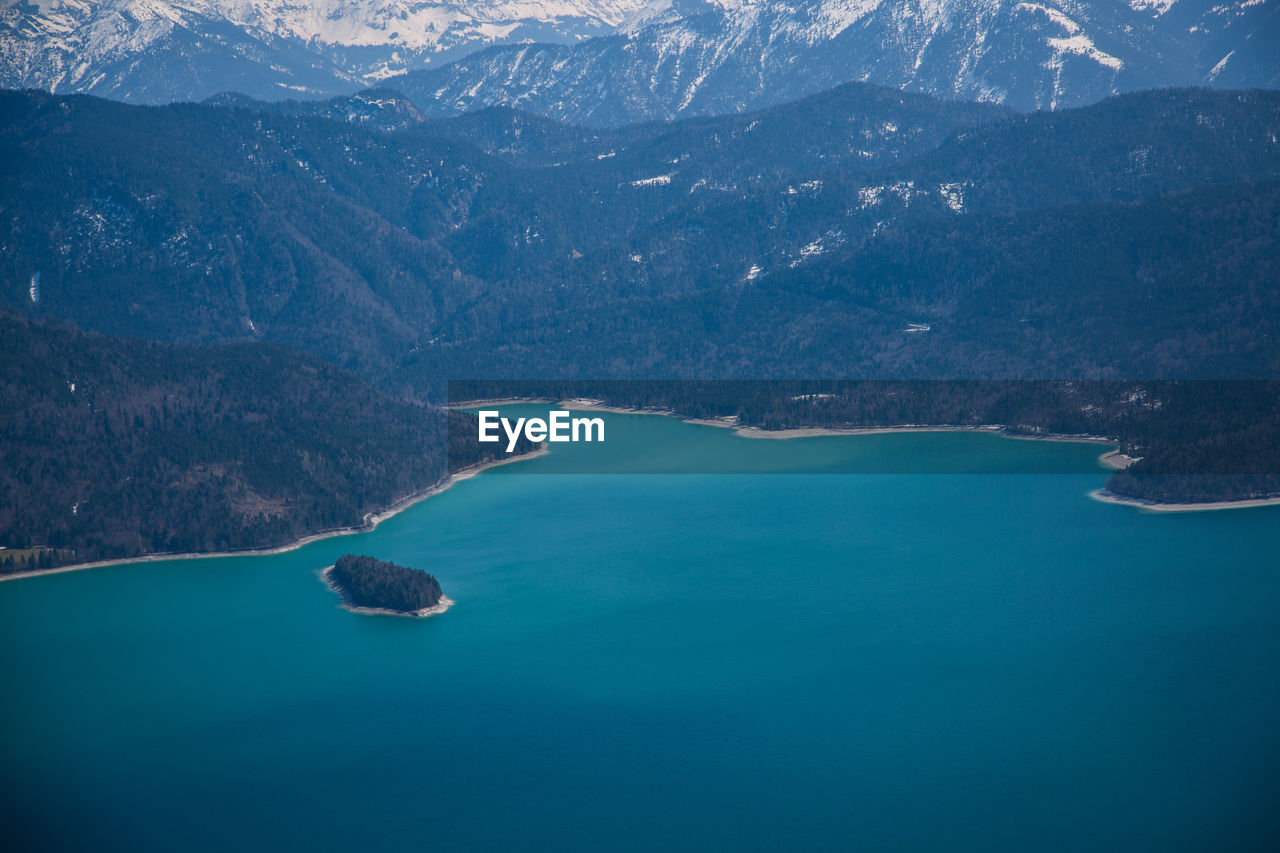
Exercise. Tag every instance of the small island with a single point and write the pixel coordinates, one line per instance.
(373, 586)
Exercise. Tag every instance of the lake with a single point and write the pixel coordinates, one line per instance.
(900, 655)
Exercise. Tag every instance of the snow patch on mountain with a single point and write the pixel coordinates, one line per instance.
(132, 48)
(1155, 7)
(698, 57)
(411, 24)
(674, 57)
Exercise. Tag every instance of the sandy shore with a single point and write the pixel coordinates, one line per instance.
(1154, 506)
(501, 401)
(1113, 459)
(371, 520)
(583, 404)
(579, 404)
(1116, 460)
(326, 575)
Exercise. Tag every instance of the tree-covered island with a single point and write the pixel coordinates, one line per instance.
(369, 585)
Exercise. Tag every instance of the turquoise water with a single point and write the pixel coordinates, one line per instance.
(671, 661)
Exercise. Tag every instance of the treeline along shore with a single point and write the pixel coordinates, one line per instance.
(1189, 441)
(112, 449)
(115, 449)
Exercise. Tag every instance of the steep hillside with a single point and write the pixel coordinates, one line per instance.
(115, 448)
(197, 224)
(1131, 238)
(202, 224)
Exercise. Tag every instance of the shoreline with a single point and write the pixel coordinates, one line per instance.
(1117, 461)
(1144, 505)
(371, 521)
(1113, 459)
(436, 609)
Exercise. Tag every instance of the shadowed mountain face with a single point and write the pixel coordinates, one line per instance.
(1134, 238)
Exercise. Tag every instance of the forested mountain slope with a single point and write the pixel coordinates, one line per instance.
(113, 448)
(712, 247)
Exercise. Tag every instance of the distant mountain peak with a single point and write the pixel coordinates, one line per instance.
(662, 58)
(155, 50)
(691, 57)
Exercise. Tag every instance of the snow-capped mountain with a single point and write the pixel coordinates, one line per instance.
(683, 57)
(160, 50)
(614, 61)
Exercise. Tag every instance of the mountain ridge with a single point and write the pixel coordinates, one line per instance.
(154, 51)
(724, 57)
(448, 248)
(606, 63)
